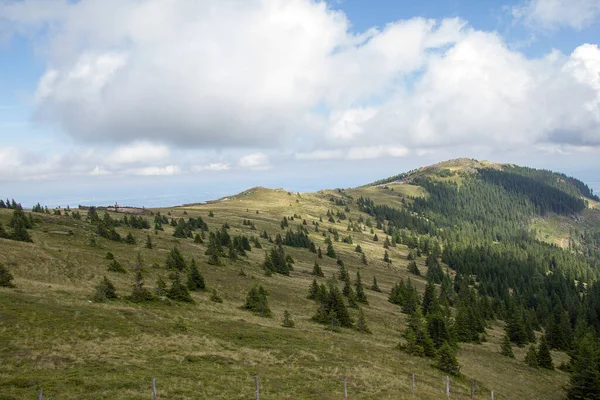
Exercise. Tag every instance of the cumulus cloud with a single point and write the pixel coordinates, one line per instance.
(255, 161)
(552, 14)
(139, 152)
(272, 75)
(211, 167)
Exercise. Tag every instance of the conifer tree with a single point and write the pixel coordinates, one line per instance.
(105, 290)
(430, 300)
(161, 287)
(319, 253)
(195, 280)
(531, 357)
(287, 321)
(139, 293)
(544, 357)
(175, 260)
(358, 249)
(330, 251)
(375, 238)
(178, 291)
(446, 360)
(317, 271)
(6, 277)
(213, 250)
(214, 297)
(417, 341)
(115, 266)
(515, 329)
(361, 297)
(198, 239)
(413, 268)
(361, 323)
(149, 244)
(256, 301)
(129, 239)
(585, 379)
(313, 290)
(506, 347)
(386, 257)
(363, 259)
(375, 287)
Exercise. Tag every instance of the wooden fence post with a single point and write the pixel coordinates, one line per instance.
(413, 383)
(256, 387)
(153, 388)
(40, 394)
(472, 389)
(492, 395)
(345, 389)
(447, 386)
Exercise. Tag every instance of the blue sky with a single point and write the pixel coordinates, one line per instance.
(161, 103)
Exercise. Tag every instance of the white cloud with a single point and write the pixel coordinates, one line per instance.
(255, 161)
(97, 171)
(552, 14)
(320, 155)
(371, 152)
(155, 171)
(210, 167)
(139, 152)
(275, 76)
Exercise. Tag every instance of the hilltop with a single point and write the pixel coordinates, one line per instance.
(438, 217)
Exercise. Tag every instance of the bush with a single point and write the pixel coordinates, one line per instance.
(5, 277)
(105, 290)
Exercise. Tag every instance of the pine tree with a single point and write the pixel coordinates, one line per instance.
(287, 321)
(313, 290)
(161, 286)
(129, 239)
(149, 244)
(417, 340)
(175, 260)
(256, 301)
(506, 347)
(544, 357)
(139, 293)
(585, 379)
(319, 253)
(375, 238)
(6, 277)
(317, 271)
(430, 301)
(363, 259)
(446, 360)
(531, 357)
(105, 290)
(375, 287)
(115, 266)
(214, 297)
(358, 249)
(386, 257)
(361, 323)
(515, 329)
(178, 291)
(195, 280)
(330, 251)
(413, 268)
(198, 239)
(213, 250)
(361, 297)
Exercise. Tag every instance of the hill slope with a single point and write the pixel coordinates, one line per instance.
(59, 340)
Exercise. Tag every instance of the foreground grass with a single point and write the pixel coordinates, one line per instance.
(52, 337)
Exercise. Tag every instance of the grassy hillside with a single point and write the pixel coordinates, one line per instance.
(56, 339)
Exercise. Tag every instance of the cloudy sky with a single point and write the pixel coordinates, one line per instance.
(159, 102)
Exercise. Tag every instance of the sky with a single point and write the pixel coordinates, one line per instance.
(164, 102)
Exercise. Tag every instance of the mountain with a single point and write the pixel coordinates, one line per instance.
(464, 252)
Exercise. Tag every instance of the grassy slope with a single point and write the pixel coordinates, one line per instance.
(54, 338)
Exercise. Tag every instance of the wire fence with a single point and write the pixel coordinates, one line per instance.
(448, 389)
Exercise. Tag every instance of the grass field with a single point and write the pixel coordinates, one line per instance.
(52, 337)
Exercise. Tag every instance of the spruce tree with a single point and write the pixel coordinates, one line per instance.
(256, 301)
(105, 290)
(213, 250)
(413, 268)
(214, 297)
(506, 347)
(375, 287)
(430, 301)
(115, 266)
(195, 280)
(531, 357)
(446, 360)
(317, 271)
(363, 259)
(585, 378)
(6, 277)
(288, 322)
(361, 297)
(361, 323)
(149, 244)
(544, 357)
(175, 260)
(178, 291)
(330, 251)
(386, 257)
(319, 253)
(313, 290)
(161, 287)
